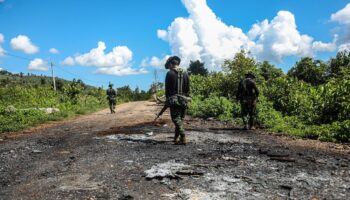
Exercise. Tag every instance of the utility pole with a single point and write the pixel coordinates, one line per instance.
(156, 80)
(53, 78)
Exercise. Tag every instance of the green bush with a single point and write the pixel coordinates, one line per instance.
(213, 106)
(312, 100)
(27, 100)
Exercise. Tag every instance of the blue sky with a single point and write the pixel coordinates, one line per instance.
(144, 33)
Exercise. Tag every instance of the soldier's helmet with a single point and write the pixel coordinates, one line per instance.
(110, 85)
(250, 74)
(172, 60)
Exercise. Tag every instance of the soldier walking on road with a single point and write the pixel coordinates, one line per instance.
(111, 97)
(177, 88)
(248, 95)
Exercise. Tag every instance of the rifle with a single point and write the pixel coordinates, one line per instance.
(166, 106)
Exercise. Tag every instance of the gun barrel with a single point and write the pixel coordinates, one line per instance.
(162, 111)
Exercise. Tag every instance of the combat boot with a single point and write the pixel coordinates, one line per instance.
(176, 139)
(252, 128)
(183, 140)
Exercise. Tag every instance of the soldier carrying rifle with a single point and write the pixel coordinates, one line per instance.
(177, 88)
(111, 97)
(248, 95)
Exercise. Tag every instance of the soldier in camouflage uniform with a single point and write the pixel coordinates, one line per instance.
(111, 97)
(248, 94)
(177, 88)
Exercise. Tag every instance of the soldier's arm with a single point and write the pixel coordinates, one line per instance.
(170, 84)
(256, 89)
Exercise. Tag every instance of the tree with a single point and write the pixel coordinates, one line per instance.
(42, 81)
(240, 64)
(197, 68)
(268, 71)
(59, 84)
(236, 68)
(73, 90)
(309, 70)
(339, 64)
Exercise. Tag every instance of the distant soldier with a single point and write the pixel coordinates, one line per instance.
(248, 94)
(177, 87)
(111, 97)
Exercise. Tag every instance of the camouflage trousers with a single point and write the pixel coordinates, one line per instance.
(248, 112)
(111, 104)
(177, 116)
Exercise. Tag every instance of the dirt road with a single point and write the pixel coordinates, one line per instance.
(124, 156)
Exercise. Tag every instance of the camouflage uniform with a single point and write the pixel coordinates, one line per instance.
(111, 97)
(248, 94)
(176, 91)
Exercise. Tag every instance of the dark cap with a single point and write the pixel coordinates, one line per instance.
(172, 60)
(250, 74)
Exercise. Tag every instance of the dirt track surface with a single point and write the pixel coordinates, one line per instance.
(125, 156)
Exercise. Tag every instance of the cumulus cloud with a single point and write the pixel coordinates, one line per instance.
(2, 51)
(280, 38)
(68, 61)
(154, 62)
(344, 47)
(116, 62)
(54, 51)
(120, 71)
(203, 36)
(2, 39)
(38, 64)
(343, 18)
(23, 43)
(321, 46)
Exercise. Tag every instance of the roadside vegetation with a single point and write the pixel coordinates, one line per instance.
(312, 100)
(24, 98)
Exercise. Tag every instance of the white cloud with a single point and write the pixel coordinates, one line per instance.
(54, 51)
(154, 62)
(344, 47)
(23, 43)
(2, 51)
(2, 38)
(320, 46)
(116, 62)
(119, 56)
(38, 64)
(120, 71)
(203, 36)
(343, 18)
(68, 61)
(280, 38)
(2, 1)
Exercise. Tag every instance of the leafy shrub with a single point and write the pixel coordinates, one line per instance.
(219, 107)
(312, 101)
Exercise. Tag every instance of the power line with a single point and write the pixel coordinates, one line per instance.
(16, 56)
(78, 76)
(64, 70)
